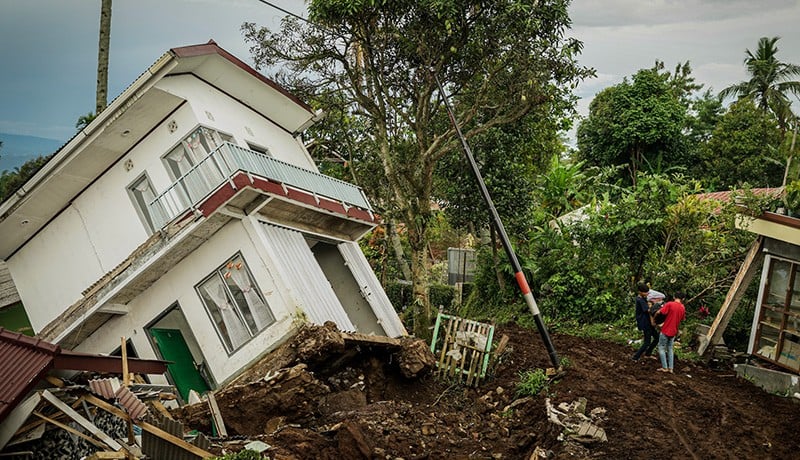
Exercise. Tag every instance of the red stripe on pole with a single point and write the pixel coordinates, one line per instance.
(523, 283)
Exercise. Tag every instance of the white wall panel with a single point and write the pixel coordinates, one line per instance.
(177, 285)
(304, 277)
(228, 116)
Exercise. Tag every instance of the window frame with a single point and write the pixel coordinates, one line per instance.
(234, 300)
(166, 162)
(144, 213)
(774, 313)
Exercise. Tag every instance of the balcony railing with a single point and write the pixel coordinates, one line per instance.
(220, 166)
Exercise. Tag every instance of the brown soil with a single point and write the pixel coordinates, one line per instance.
(356, 404)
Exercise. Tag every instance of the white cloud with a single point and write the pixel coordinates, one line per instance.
(614, 13)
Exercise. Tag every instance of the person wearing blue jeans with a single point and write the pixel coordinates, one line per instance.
(674, 313)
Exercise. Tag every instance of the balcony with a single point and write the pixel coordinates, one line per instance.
(221, 168)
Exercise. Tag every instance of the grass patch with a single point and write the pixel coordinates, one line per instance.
(531, 383)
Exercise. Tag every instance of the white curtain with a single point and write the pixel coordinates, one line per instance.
(237, 332)
(258, 308)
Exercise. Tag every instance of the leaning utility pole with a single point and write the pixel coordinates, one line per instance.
(522, 282)
(102, 56)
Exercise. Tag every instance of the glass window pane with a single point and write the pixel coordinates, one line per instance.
(246, 295)
(218, 302)
(767, 342)
(778, 282)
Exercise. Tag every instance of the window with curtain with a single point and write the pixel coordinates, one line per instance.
(189, 161)
(234, 303)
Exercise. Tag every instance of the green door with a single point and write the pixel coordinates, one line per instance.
(183, 369)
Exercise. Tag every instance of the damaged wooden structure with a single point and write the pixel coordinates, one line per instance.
(462, 348)
(775, 331)
(44, 416)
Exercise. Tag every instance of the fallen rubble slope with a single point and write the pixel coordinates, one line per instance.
(320, 396)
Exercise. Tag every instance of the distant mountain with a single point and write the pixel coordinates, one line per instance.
(17, 149)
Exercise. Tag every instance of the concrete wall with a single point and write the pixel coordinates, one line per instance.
(101, 227)
(177, 286)
(216, 110)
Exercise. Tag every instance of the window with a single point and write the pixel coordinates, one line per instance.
(259, 149)
(143, 196)
(191, 163)
(778, 329)
(234, 303)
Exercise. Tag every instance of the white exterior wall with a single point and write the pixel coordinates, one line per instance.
(177, 285)
(54, 267)
(102, 227)
(96, 233)
(217, 110)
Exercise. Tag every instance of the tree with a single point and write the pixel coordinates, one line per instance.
(638, 123)
(498, 60)
(102, 56)
(11, 181)
(743, 148)
(770, 81)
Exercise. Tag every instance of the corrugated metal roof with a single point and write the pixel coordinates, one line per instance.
(23, 362)
(26, 360)
(304, 277)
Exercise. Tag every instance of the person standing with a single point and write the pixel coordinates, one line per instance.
(644, 324)
(674, 312)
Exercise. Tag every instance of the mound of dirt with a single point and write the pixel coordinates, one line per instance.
(350, 399)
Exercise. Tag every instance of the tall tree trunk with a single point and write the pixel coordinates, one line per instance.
(102, 56)
(397, 247)
(419, 276)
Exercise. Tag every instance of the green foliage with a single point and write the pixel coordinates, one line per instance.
(638, 123)
(531, 383)
(11, 181)
(372, 64)
(744, 148)
(619, 331)
(442, 295)
(792, 197)
(771, 81)
(84, 120)
(245, 454)
(400, 294)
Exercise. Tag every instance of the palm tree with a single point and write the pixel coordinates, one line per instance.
(770, 81)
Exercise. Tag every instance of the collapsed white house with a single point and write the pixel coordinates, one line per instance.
(190, 218)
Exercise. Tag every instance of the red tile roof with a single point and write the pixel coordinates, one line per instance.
(726, 195)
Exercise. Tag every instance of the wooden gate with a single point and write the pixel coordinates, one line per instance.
(462, 348)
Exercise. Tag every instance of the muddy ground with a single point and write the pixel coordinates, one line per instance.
(355, 403)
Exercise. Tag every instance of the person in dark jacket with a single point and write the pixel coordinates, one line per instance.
(644, 324)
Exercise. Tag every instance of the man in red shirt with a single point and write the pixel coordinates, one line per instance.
(675, 312)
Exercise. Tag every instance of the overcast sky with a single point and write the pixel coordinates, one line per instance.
(48, 54)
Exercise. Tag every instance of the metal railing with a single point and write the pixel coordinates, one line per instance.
(220, 166)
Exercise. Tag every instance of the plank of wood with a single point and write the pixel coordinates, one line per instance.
(150, 428)
(78, 418)
(747, 270)
(216, 415)
(68, 428)
(126, 378)
(55, 381)
(161, 409)
(105, 455)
